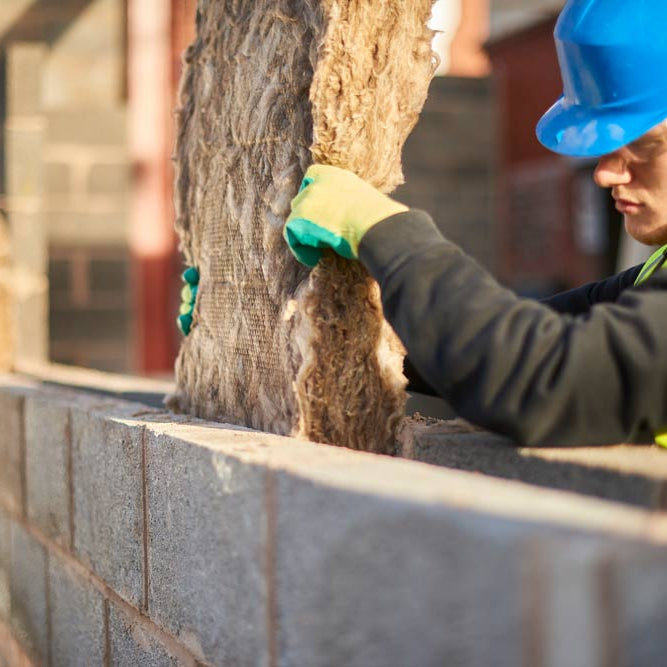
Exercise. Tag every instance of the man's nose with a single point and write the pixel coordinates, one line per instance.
(612, 170)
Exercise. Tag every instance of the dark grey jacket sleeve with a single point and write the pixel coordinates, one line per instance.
(515, 365)
(579, 300)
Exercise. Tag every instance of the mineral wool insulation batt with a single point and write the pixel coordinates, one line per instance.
(270, 87)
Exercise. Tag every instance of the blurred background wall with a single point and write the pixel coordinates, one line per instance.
(107, 86)
(87, 91)
(85, 170)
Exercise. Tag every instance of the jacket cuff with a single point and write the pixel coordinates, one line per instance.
(390, 243)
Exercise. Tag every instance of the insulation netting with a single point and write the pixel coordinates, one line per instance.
(270, 87)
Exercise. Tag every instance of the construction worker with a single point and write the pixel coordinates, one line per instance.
(588, 366)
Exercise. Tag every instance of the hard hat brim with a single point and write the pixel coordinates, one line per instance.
(574, 130)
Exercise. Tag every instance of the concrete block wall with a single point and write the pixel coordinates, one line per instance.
(24, 290)
(6, 302)
(449, 162)
(510, 16)
(87, 176)
(131, 536)
(635, 475)
(66, 170)
(87, 210)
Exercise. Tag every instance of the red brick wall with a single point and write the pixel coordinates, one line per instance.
(526, 69)
(536, 219)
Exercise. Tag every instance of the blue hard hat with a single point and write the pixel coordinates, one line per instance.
(613, 62)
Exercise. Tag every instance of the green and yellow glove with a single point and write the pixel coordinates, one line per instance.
(334, 209)
(188, 299)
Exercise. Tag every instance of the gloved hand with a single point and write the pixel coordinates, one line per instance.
(334, 209)
(188, 298)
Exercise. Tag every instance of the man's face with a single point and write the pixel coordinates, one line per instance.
(637, 176)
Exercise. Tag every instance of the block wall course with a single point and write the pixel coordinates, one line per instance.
(48, 459)
(613, 473)
(24, 143)
(206, 549)
(109, 178)
(101, 127)
(77, 619)
(353, 589)
(132, 644)
(5, 560)
(449, 163)
(57, 178)
(12, 452)
(265, 550)
(350, 589)
(110, 274)
(97, 83)
(638, 586)
(436, 146)
(87, 197)
(83, 227)
(108, 506)
(81, 325)
(24, 91)
(85, 64)
(563, 602)
(89, 312)
(31, 318)
(28, 592)
(400, 479)
(29, 313)
(6, 338)
(60, 278)
(113, 358)
(29, 242)
(12, 654)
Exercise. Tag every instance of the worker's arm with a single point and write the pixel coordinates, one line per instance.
(579, 300)
(514, 365)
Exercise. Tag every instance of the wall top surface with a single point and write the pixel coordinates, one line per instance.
(404, 481)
